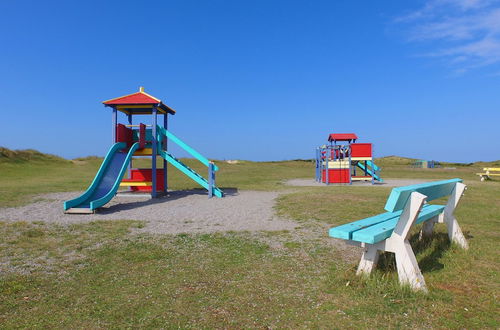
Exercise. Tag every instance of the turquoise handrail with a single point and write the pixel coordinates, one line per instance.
(191, 173)
(183, 145)
(373, 165)
(373, 171)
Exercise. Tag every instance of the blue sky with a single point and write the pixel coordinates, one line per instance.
(259, 80)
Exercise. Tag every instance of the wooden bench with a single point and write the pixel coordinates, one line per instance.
(389, 231)
(489, 172)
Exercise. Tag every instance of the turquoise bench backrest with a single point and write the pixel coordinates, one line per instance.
(433, 190)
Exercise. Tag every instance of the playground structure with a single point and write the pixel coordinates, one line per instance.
(133, 140)
(422, 163)
(345, 161)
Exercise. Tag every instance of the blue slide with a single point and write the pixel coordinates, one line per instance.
(106, 182)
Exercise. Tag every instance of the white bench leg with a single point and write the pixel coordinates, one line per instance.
(408, 270)
(369, 260)
(428, 227)
(454, 232)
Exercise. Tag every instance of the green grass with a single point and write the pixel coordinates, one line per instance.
(102, 274)
(21, 181)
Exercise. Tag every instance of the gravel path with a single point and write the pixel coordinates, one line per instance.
(386, 183)
(178, 212)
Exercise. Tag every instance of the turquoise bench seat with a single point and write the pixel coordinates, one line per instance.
(378, 228)
(389, 231)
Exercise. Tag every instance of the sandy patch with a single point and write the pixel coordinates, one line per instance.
(178, 212)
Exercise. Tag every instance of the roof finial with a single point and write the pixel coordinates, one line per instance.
(141, 89)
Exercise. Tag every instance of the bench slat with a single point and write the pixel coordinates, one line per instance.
(381, 231)
(345, 231)
(433, 190)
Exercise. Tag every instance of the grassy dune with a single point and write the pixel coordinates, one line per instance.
(29, 173)
(101, 274)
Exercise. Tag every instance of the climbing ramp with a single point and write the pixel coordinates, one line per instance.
(207, 183)
(372, 169)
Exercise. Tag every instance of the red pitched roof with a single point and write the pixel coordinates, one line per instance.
(138, 99)
(342, 137)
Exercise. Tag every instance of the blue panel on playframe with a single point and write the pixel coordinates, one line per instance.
(433, 190)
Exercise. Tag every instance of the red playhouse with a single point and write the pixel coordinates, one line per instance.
(345, 161)
(140, 179)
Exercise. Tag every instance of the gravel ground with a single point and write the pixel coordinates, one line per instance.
(178, 212)
(386, 183)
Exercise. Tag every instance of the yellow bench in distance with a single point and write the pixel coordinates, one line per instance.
(489, 172)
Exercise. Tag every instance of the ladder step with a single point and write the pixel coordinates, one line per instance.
(361, 178)
(134, 183)
(143, 152)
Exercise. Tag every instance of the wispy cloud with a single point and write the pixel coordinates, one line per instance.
(466, 33)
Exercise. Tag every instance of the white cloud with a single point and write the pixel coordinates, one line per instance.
(465, 32)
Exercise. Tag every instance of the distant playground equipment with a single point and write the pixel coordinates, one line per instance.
(139, 140)
(422, 163)
(345, 161)
(488, 173)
